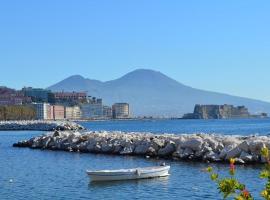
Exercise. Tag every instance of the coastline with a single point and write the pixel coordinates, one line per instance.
(39, 125)
(161, 119)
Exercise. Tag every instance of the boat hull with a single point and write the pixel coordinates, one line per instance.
(139, 173)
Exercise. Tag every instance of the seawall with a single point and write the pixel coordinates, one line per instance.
(198, 147)
(39, 125)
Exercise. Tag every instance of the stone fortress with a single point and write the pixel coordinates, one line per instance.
(221, 112)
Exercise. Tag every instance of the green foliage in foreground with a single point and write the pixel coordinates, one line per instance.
(19, 112)
(231, 187)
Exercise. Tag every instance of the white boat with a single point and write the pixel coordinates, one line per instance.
(128, 174)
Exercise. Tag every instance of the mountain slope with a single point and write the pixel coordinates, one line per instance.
(152, 93)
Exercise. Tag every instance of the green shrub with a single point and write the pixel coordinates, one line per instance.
(231, 187)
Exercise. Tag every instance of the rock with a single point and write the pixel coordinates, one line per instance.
(117, 149)
(40, 125)
(36, 143)
(106, 148)
(187, 146)
(24, 143)
(142, 148)
(225, 150)
(56, 134)
(233, 153)
(244, 146)
(206, 149)
(246, 156)
(178, 152)
(231, 141)
(213, 143)
(74, 136)
(256, 146)
(97, 148)
(239, 161)
(151, 151)
(262, 159)
(199, 154)
(91, 143)
(46, 142)
(157, 143)
(180, 140)
(186, 153)
(194, 143)
(127, 150)
(219, 147)
(211, 156)
(82, 147)
(167, 150)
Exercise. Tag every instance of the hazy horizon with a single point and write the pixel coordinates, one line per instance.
(204, 89)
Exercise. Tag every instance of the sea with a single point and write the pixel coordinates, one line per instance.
(44, 174)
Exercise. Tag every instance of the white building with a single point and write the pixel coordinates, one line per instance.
(43, 111)
(120, 110)
(92, 110)
(107, 112)
(73, 112)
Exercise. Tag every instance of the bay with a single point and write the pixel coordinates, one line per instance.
(43, 174)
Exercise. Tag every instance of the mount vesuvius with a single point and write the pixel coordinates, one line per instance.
(151, 93)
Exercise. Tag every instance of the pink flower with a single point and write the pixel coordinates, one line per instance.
(232, 168)
(245, 193)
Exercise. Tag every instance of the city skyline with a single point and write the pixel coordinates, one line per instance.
(215, 46)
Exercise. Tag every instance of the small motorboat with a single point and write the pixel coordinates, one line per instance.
(129, 174)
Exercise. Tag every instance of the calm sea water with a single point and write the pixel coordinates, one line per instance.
(37, 174)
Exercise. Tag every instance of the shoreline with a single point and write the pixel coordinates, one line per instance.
(161, 119)
(186, 147)
(39, 125)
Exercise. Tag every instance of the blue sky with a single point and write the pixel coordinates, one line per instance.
(221, 46)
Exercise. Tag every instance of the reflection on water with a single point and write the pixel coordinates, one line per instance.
(161, 181)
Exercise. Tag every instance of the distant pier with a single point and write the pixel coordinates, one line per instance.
(39, 125)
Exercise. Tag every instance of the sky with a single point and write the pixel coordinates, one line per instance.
(221, 46)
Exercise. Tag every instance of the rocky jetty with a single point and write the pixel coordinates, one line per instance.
(39, 125)
(197, 147)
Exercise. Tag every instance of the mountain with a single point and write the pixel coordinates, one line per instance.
(151, 93)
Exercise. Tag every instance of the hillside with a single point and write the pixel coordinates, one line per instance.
(151, 93)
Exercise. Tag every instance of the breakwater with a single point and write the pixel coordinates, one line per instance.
(199, 147)
(39, 125)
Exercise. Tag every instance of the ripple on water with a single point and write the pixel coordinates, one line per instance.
(50, 175)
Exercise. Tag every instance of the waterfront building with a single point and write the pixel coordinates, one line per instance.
(70, 97)
(73, 112)
(94, 100)
(93, 109)
(50, 113)
(43, 111)
(107, 112)
(58, 112)
(120, 110)
(10, 100)
(37, 94)
(12, 97)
